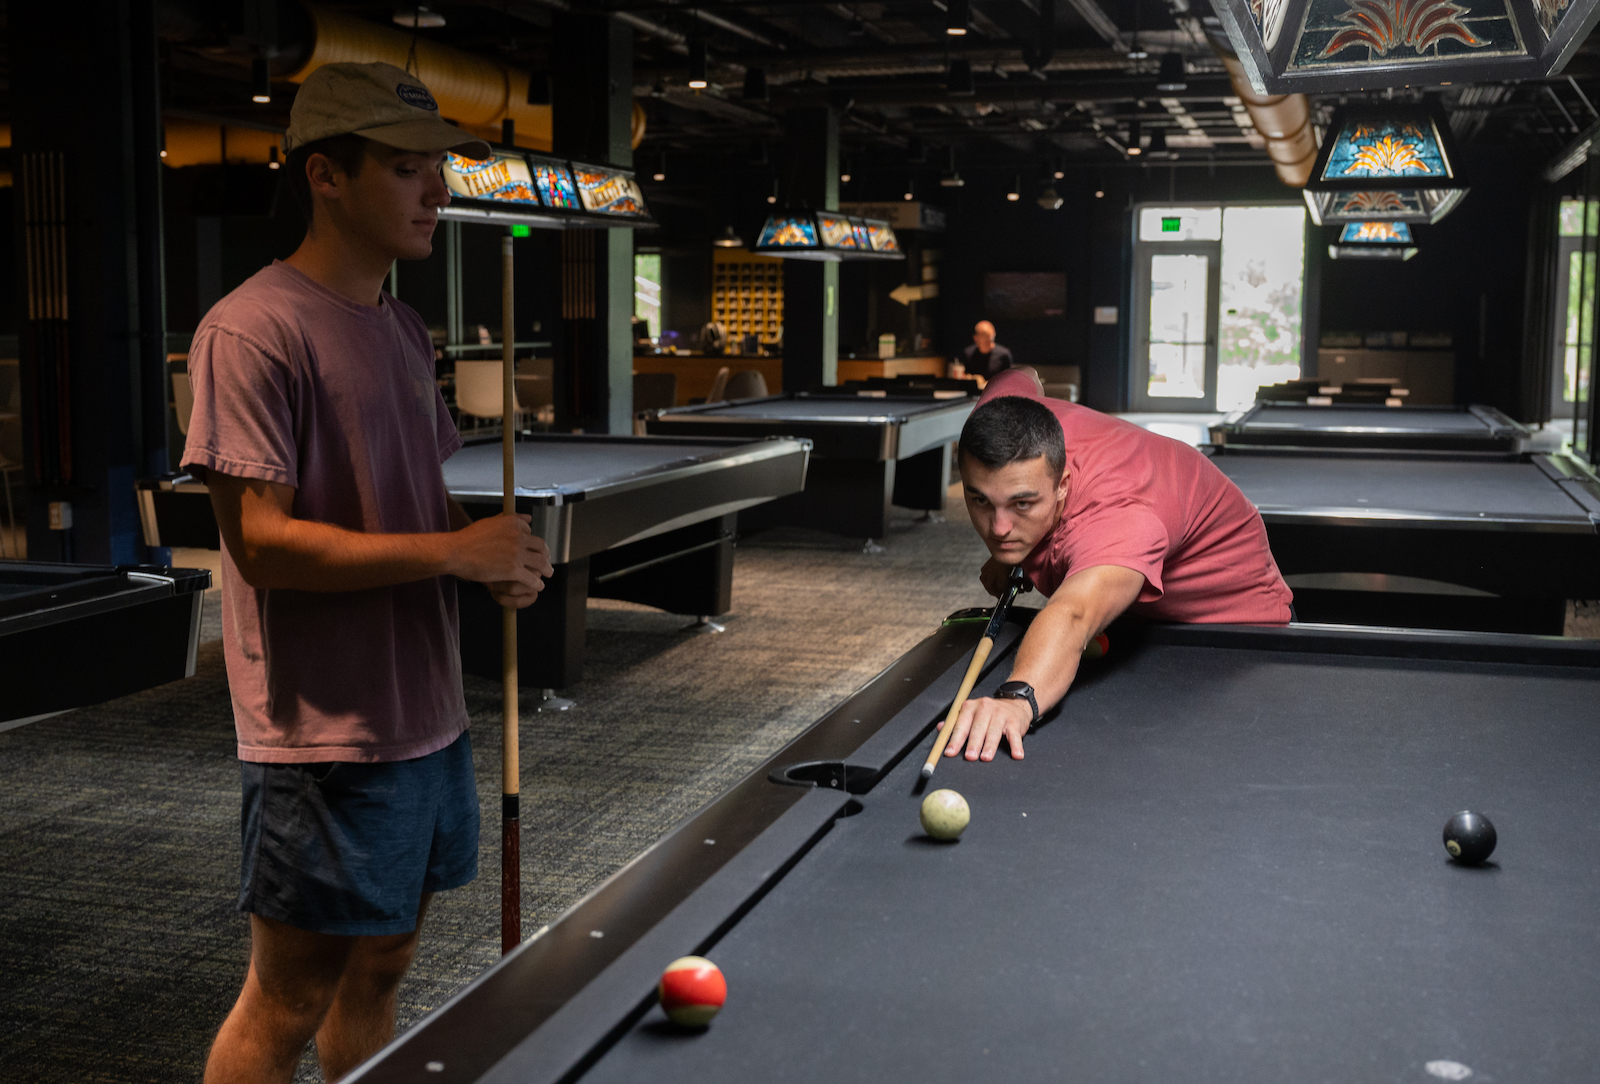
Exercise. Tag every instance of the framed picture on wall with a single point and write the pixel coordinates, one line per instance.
(1024, 295)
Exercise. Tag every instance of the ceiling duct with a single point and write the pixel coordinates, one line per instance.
(1284, 120)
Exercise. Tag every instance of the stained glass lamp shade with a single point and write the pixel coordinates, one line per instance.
(828, 235)
(1388, 164)
(1328, 45)
(1373, 241)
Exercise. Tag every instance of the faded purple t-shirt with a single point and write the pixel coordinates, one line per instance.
(296, 384)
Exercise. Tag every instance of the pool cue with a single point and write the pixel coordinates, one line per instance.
(510, 765)
(975, 667)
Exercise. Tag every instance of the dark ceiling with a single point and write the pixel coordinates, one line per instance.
(1062, 99)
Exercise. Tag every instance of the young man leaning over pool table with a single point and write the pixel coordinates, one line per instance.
(1105, 518)
(320, 431)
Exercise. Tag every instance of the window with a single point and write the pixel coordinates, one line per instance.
(1218, 304)
(647, 291)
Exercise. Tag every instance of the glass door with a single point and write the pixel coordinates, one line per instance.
(1175, 335)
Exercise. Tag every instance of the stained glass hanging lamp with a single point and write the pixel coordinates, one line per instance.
(1384, 164)
(1373, 241)
(1288, 46)
(828, 235)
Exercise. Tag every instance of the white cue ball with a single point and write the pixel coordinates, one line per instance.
(945, 814)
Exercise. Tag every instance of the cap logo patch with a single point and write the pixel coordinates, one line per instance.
(417, 96)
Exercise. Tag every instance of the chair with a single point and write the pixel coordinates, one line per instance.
(479, 390)
(748, 384)
(183, 400)
(655, 391)
(719, 386)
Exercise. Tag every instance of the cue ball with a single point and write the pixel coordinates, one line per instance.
(692, 991)
(1469, 837)
(945, 814)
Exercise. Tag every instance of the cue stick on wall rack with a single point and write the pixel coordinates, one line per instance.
(510, 766)
(996, 621)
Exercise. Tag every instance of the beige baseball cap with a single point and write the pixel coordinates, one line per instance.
(379, 101)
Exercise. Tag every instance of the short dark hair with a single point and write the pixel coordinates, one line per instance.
(348, 152)
(1011, 429)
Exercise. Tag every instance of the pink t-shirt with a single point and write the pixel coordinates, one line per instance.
(298, 385)
(1146, 502)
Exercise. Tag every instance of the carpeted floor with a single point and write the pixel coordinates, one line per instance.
(120, 950)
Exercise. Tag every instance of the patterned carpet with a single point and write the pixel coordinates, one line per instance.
(120, 950)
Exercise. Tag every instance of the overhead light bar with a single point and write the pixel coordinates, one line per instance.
(260, 81)
(1373, 241)
(511, 188)
(1171, 75)
(1384, 164)
(828, 236)
(1289, 46)
(697, 65)
(957, 14)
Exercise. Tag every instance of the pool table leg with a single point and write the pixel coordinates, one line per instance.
(921, 481)
(549, 633)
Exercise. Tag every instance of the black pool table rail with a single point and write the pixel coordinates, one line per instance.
(1343, 426)
(557, 1004)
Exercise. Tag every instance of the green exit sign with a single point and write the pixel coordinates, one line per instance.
(1172, 225)
(523, 230)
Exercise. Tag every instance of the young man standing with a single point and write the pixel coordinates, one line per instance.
(1105, 517)
(320, 431)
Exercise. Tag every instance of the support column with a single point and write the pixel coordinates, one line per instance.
(810, 288)
(88, 258)
(592, 102)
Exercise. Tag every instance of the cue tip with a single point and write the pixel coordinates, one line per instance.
(927, 771)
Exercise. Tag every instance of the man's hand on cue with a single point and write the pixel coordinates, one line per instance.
(503, 553)
(994, 575)
(984, 721)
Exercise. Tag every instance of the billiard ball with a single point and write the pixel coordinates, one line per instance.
(692, 990)
(1469, 837)
(945, 814)
(1097, 648)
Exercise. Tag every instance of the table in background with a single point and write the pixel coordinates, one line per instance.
(1220, 862)
(867, 452)
(867, 368)
(644, 519)
(73, 635)
(1487, 541)
(696, 372)
(1421, 428)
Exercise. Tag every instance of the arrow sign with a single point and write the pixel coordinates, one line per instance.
(907, 294)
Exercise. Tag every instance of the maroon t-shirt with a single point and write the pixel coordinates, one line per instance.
(296, 384)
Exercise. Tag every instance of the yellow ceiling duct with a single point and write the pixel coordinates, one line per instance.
(475, 92)
(1284, 121)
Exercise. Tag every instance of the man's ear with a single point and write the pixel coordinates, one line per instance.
(1063, 484)
(324, 177)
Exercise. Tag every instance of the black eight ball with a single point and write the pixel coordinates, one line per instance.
(1469, 837)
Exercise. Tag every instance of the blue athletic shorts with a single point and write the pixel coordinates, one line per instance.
(346, 848)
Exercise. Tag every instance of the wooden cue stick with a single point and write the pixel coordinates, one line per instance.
(974, 668)
(510, 762)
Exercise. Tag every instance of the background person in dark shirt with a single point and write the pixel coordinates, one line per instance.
(985, 357)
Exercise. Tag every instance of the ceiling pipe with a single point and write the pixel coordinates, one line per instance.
(1284, 120)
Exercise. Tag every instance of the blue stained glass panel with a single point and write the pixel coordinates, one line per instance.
(786, 231)
(1386, 147)
(1386, 233)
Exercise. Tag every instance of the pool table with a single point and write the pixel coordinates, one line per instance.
(643, 519)
(867, 452)
(1219, 861)
(73, 635)
(1491, 541)
(1417, 428)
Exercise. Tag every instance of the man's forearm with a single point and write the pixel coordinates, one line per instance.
(304, 556)
(1050, 651)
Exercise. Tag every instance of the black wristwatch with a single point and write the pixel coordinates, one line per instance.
(1019, 690)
